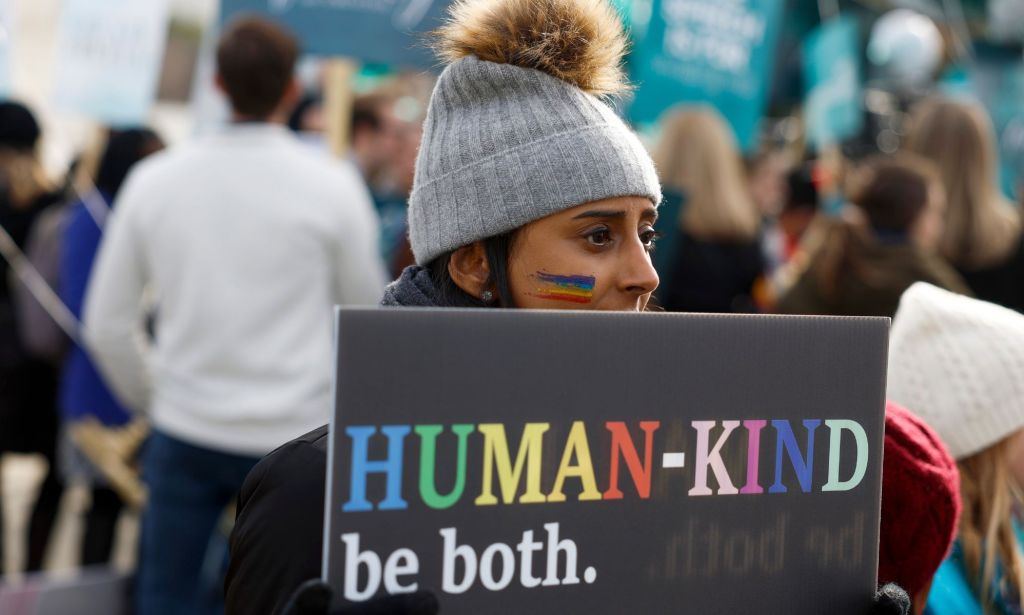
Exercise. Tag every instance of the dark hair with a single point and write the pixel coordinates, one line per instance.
(256, 60)
(366, 112)
(803, 193)
(124, 149)
(498, 249)
(19, 129)
(298, 115)
(894, 192)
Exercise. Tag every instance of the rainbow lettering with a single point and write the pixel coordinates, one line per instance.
(508, 477)
(571, 288)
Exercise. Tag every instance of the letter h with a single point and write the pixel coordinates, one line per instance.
(390, 467)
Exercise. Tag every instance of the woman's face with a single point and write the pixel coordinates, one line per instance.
(594, 256)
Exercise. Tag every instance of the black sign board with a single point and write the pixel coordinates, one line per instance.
(580, 462)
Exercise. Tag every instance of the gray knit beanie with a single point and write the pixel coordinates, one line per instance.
(515, 130)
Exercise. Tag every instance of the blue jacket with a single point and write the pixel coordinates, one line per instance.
(952, 594)
(82, 390)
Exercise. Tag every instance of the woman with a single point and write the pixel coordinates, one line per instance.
(715, 257)
(866, 262)
(28, 384)
(83, 394)
(957, 361)
(529, 193)
(983, 232)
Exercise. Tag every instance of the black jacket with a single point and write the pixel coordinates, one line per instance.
(278, 537)
(28, 385)
(1003, 283)
(712, 276)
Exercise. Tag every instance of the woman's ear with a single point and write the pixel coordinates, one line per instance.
(469, 269)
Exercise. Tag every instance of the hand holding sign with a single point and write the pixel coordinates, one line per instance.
(314, 596)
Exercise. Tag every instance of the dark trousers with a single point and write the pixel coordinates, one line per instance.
(44, 514)
(101, 526)
(28, 424)
(189, 489)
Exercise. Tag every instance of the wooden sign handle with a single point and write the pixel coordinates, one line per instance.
(338, 97)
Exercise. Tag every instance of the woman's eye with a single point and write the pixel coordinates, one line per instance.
(649, 238)
(600, 237)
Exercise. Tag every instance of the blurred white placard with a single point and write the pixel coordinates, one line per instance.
(109, 58)
(6, 44)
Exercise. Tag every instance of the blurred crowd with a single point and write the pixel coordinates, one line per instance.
(203, 272)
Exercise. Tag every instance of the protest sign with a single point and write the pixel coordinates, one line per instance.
(568, 462)
(6, 45)
(832, 74)
(109, 57)
(714, 53)
(387, 31)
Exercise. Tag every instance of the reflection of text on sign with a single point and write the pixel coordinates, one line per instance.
(541, 557)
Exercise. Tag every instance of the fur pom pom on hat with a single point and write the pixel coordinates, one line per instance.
(578, 41)
(515, 130)
(959, 364)
(920, 502)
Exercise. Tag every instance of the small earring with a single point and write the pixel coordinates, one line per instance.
(487, 296)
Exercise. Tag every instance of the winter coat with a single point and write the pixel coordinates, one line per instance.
(1003, 283)
(277, 541)
(28, 384)
(712, 276)
(869, 281)
(951, 592)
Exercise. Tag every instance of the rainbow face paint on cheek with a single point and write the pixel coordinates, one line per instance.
(571, 288)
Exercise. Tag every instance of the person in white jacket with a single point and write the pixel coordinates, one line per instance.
(247, 239)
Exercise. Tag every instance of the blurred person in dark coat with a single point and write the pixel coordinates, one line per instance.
(28, 384)
(715, 255)
(889, 242)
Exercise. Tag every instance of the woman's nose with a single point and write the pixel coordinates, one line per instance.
(638, 275)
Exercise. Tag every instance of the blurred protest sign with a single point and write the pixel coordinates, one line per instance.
(109, 58)
(386, 31)
(6, 45)
(587, 462)
(716, 53)
(832, 76)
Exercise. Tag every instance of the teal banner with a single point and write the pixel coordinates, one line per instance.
(384, 31)
(714, 53)
(832, 76)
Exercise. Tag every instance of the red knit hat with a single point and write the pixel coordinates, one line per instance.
(920, 502)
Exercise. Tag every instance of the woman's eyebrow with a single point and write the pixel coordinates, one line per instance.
(601, 213)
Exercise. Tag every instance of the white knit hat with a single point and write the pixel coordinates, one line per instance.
(959, 364)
